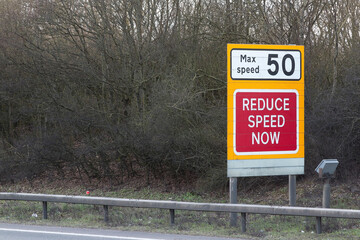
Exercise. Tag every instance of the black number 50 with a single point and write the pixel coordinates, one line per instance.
(272, 61)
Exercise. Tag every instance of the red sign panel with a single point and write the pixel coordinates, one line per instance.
(266, 121)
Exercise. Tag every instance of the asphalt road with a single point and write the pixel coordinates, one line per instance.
(31, 232)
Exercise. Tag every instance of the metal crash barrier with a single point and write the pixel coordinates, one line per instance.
(244, 209)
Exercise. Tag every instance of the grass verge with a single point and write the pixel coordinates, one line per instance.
(186, 222)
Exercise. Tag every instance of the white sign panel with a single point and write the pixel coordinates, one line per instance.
(259, 64)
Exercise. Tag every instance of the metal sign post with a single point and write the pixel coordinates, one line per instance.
(292, 190)
(233, 199)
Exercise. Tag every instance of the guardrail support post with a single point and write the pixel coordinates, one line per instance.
(44, 203)
(318, 225)
(172, 216)
(106, 213)
(233, 200)
(243, 222)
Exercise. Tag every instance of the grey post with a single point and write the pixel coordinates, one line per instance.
(318, 225)
(172, 216)
(292, 190)
(326, 170)
(243, 222)
(233, 199)
(326, 194)
(44, 203)
(106, 213)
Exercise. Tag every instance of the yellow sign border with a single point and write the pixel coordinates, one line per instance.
(233, 85)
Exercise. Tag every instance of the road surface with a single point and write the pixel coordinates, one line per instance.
(30, 232)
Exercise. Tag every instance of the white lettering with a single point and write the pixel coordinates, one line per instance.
(257, 138)
(265, 137)
(281, 117)
(261, 100)
(253, 104)
(266, 121)
(276, 106)
(286, 104)
(251, 120)
(258, 120)
(268, 105)
(262, 138)
(272, 121)
(261, 104)
(275, 138)
(245, 104)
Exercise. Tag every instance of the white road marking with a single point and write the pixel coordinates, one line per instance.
(76, 234)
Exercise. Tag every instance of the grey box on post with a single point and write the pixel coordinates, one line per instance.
(327, 168)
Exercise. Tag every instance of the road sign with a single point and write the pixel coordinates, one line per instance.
(269, 64)
(265, 110)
